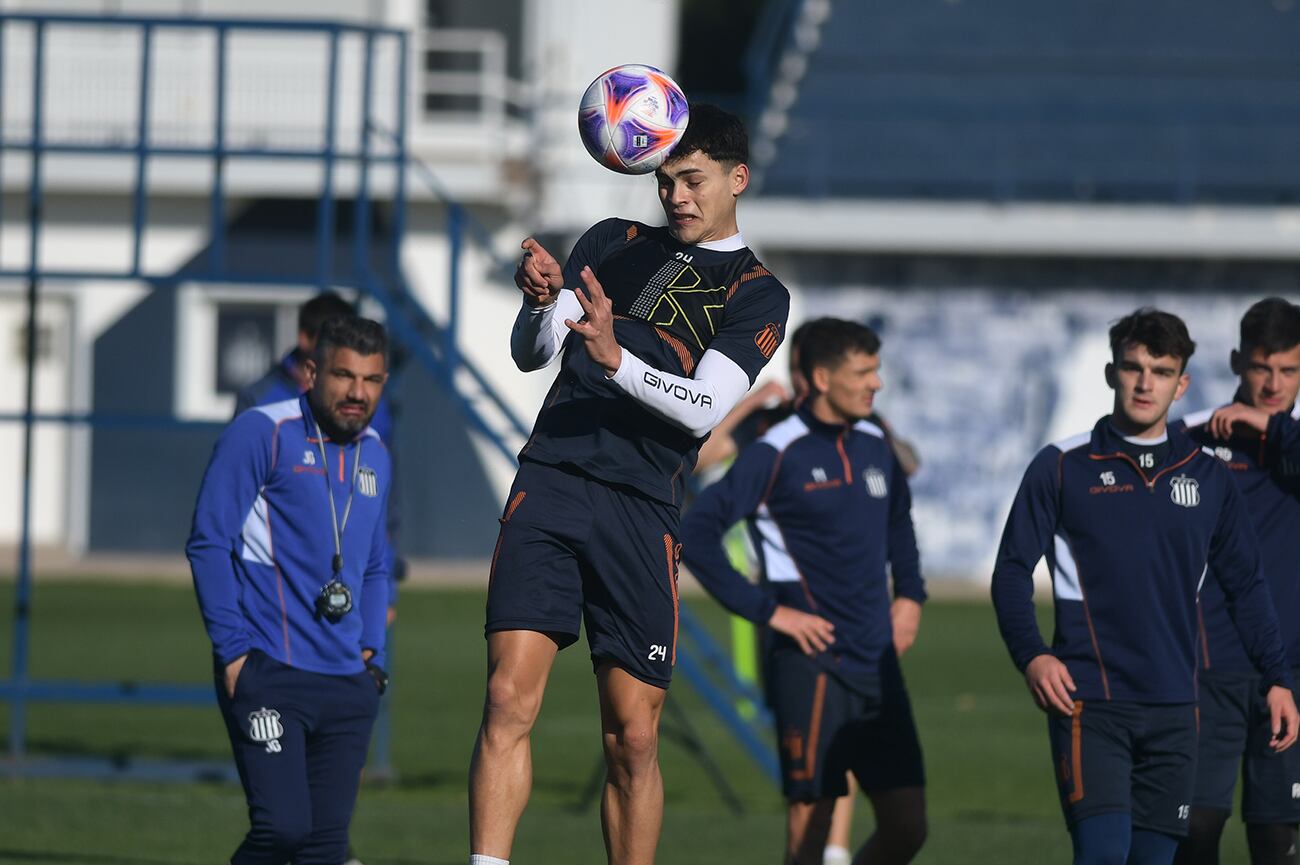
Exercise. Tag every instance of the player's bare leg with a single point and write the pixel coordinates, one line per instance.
(808, 824)
(501, 773)
(839, 841)
(900, 828)
(632, 807)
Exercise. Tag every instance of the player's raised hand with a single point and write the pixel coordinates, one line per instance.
(1223, 420)
(813, 633)
(597, 325)
(1050, 683)
(905, 615)
(539, 275)
(1286, 720)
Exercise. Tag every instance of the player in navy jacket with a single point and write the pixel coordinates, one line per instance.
(660, 330)
(289, 558)
(829, 513)
(1130, 517)
(1257, 436)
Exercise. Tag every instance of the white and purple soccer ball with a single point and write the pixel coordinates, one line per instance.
(631, 117)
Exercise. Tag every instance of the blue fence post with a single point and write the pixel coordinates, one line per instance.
(2, 117)
(216, 262)
(325, 212)
(361, 206)
(399, 155)
(23, 591)
(455, 240)
(140, 209)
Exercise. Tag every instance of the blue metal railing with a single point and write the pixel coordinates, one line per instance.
(413, 328)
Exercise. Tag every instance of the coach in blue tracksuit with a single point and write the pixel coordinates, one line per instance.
(1131, 517)
(829, 511)
(1257, 436)
(289, 555)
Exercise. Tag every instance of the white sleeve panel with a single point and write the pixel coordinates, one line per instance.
(694, 404)
(539, 332)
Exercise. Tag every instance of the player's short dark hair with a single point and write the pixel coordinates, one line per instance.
(1163, 334)
(718, 134)
(827, 342)
(362, 335)
(1271, 325)
(321, 308)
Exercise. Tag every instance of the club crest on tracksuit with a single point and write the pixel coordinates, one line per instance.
(264, 726)
(367, 482)
(875, 481)
(1185, 491)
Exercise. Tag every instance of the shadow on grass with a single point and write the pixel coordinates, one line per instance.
(10, 855)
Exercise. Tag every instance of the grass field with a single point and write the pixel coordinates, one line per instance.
(990, 788)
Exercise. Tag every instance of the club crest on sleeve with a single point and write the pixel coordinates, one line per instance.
(308, 458)
(1185, 491)
(1224, 454)
(367, 482)
(264, 726)
(875, 481)
(768, 339)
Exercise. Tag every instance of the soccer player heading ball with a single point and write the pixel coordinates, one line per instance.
(661, 331)
(1132, 517)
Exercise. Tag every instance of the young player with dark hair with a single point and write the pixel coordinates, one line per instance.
(1131, 518)
(288, 551)
(1258, 438)
(829, 511)
(662, 331)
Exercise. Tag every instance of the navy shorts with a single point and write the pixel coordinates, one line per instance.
(1235, 729)
(574, 550)
(827, 728)
(1126, 757)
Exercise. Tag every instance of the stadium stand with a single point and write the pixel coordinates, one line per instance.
(1166, 101)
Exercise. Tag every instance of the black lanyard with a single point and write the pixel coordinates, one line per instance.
(338, 528)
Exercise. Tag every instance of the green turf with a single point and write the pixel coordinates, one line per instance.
(990, 789)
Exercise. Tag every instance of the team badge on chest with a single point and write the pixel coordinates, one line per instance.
(367, 482)
(875, 481)
(1185, 491)
(264, 726)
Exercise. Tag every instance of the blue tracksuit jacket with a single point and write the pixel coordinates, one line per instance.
(829, 512)
(1267, 471)
(261, 544)
(1128, 551)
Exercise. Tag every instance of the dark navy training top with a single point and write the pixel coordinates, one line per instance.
(829, 513)
(672, 302)
(1128, 548)
(1266, 468)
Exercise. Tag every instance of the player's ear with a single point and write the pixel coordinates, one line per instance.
(1183, 381)
(821, 379)
(739, 178)
(1110, 376)
(309, 366)
(1235, 361)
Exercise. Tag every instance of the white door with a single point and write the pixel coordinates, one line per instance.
(49, 500)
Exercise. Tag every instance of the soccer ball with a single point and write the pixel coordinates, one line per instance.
(631, 117)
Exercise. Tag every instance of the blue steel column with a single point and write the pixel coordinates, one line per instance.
(23, 592)
(455, 240)
(140, 210)
(2, 120)
(399, 166)
(325, 212)
(361, 206)
(217, 218)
